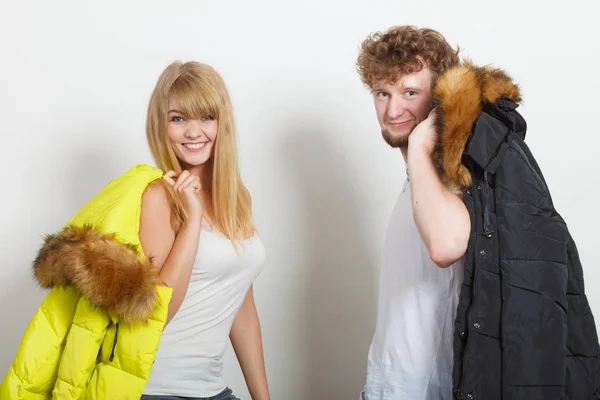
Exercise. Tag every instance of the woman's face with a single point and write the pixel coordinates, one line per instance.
(192, 140)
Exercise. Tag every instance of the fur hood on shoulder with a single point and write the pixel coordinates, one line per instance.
(459, 94)
(112, 275)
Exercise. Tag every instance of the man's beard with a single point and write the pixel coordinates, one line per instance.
(394, 141)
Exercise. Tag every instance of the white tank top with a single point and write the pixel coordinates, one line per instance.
(189, 361)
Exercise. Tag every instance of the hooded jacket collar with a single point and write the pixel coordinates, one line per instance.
(460, 95)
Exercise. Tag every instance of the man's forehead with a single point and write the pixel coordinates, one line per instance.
(404, 81)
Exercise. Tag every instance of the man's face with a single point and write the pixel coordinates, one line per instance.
(402, 106)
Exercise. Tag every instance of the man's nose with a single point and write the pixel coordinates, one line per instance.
(396, 108)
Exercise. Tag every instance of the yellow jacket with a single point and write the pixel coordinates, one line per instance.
(96, 334)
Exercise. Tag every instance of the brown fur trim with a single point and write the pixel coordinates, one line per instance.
(110, 274)
(459, 94)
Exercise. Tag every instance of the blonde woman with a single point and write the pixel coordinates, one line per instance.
(196, 225)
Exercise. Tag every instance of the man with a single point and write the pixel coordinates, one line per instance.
(522, 327)
(411, 355)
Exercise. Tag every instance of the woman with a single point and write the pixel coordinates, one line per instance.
(196, 225)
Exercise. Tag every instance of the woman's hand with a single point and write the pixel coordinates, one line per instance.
(187, 187)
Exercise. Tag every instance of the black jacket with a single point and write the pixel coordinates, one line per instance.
(524, 329)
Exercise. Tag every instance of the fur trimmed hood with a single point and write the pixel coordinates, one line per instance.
(460, 94)
(112, 275)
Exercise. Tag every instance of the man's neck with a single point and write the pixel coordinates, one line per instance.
(404, 151)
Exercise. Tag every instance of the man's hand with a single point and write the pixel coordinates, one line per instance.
(424, 136)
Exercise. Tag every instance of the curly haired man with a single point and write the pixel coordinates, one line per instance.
(411, 354)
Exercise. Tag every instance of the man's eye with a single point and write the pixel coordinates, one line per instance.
(382, 95)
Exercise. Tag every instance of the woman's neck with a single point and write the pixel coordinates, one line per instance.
(196, 170)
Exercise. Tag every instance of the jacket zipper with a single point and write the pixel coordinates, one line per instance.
(467, 344)
(470, 312)
(112, 353)
(488, 226)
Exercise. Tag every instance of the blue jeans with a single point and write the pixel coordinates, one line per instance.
(226, 394)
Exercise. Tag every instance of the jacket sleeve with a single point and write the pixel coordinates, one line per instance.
(81, 351)
(534, 277)
(33, 372)
(582, 360)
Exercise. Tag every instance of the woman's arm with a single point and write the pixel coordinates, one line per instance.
(246, 339)
(173, 254)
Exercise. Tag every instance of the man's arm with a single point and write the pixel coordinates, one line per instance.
(440, 215)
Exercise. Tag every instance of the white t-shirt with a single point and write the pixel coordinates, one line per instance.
(189, 361)
(411, 355)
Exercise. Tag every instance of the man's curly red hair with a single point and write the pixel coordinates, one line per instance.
(402, 50)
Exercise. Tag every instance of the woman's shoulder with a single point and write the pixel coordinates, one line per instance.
(147, 177)
(156, 196)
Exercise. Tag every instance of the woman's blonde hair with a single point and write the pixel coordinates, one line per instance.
(201, 92)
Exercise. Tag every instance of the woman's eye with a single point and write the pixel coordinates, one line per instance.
(177, 118)
(208, 118)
